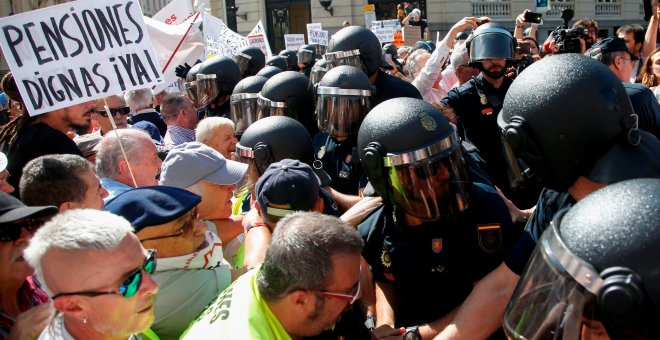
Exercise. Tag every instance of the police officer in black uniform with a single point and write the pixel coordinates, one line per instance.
(225, 74)
(244, 102)
(595, 271)
(291, 60)
(250, 60)
(307, 57)
(437, 232)
(317, 72)
(573, 146)
(359, 47)
(288, 94)
(279, 62)
(477, 103)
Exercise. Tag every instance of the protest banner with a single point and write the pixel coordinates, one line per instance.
(293, 42)
(175, 12)
(318, 37)
(391, 23)
(221, 40)
(412, 34)
(385, 35)
(265, 46)
(175, 45)
(77, 52)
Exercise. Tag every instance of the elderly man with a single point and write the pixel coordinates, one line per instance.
(191, 270)
(119, 174)
(219, 134)
(310, 276)
(180, 116)
(118, 109)
(97, 274)
(65, 181)
(140, 101)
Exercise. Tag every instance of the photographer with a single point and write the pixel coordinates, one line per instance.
(575, 40)
(518, 32)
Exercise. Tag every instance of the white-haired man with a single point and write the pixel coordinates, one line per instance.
(140, 101)
(219, 134)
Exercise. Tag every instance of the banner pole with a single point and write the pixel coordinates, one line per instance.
(121, 146)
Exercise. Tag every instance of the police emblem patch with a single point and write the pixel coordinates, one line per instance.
(436, 245)
(490, 237)
(428, 122)
(385, 258)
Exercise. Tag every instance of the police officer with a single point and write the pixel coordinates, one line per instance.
(306, 58)
(225, 74)
(279, 62)
(437, 232)
(573, 146)
(595, 271)
(291, 60)
(244, 102)
(478, 102)
(250, 60)
(358, 46)
(318, 71)
(288, 94)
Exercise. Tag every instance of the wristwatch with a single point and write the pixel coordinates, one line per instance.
(412, 333)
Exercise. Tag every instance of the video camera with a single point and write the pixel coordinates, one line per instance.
(568, 38)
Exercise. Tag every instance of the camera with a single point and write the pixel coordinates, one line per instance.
(570, 39)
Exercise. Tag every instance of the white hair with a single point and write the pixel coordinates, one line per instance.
(207, 126)
(109, 153)
(76, 229)
(459, 56)
(139, 99)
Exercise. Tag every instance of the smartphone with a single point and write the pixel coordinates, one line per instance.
(524, 47)
(534, 18)
(388, 56)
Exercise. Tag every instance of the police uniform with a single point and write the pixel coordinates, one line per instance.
(342, 163)
(433, 266)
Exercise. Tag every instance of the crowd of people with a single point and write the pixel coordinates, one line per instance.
(357, 191)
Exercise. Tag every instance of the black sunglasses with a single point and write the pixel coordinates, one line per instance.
(124, 111)
(131, 284)
(10, 232)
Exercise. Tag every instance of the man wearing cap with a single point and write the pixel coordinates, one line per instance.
(191, 269)
(180, 116)
(65, 181)
(4, 174)
(205, 172)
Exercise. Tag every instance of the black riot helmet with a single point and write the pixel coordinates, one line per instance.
(190, 86)
(244, 102)
(342, 101)
(490, 41)
(562, 117)
(307, 54)
(595, 267)
(291, 59)
(391, 49)
(227, 75)
(269, 71)
(424, 173)
(250, 59)
(355, 46)
(288, 94)
(279, 62)
(319, 69)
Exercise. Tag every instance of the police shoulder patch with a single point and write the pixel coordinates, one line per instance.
(490, 237)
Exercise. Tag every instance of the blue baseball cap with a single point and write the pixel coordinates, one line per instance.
(287, 182)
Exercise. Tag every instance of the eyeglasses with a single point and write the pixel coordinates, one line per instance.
(630, 60)
(185, 229)
(124, 111)
(131, 284)
(350, 298)
(10, 232)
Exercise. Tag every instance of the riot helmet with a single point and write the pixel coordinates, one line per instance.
(244, 102)
(424, 174)
(190, 86)
(227, 75)
(307, 54)
(250, 59)
(595, 269)
(560, 118)
(269, 71)
(288, 94)
(355, 46)
(318, 71)
(490, 41)
(291, 59)
(279, 62)
(342, 101)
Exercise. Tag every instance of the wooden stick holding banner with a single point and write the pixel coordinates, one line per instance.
(121, 146)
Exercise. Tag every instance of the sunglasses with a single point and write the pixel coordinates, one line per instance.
(350, 298)
(131, 284)
(185, 230)
(124, 111)
(10, 232)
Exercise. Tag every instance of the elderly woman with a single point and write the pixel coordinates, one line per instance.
(19, 293)
(97, 273)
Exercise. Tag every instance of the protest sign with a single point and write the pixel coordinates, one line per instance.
(376, 24)
(77, 52)
(369, 14)
(391, 23)
(412, 34)
(398, 39)
(175, 12)
(313, 27)
(293, 42)
(385, 35)
(219, 39)
(257, 31)
(318, 37)
(259, 41)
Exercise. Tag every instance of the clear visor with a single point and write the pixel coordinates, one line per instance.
(243, 110)
(350, 58)
(243, 61)
(518, 171)
(432, 187)
(191, 90)
(267, 108)
(317, 74)
(207, 89)
(340, 114)
(493, 43)
(305, 57)
(244, 155)
(549, 303)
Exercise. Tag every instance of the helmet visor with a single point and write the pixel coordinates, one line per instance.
(432, 187)
(207, 89)
(548, 302)
(267, 108)
(191, 90)
(305, 57)
(243, 110)
(492, 43)
(317, 74)
(243, 61)
(339, 112)
(518, 171)
(350, 58)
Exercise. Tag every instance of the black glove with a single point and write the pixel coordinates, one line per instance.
(181, 71)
